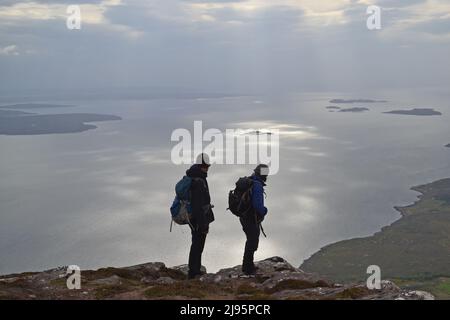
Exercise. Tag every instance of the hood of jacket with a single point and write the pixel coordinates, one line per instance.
(195, 171)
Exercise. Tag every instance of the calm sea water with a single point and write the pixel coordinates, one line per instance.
(102, 197)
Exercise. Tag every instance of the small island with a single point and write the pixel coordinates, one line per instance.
(258, 132)
(448, 145)
(356, 109)
(356, 101)
(416, 112)
(333, 107)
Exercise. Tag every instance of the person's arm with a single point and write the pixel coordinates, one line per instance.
(258, 199)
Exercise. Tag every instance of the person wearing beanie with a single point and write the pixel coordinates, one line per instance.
(251, 223)
(202, 214)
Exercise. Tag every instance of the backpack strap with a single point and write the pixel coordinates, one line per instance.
(262, 230)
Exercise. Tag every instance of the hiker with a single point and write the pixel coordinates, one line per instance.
(202, 214)
(251, 222)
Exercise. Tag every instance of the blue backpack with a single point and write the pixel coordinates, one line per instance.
(181, 209)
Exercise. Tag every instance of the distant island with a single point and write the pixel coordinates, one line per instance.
(416, 112)
(356, 101)
(356, 109)
(34, 106)
(23, 124)
(258, 132)
(413, 251)
(12, 113)
(448, 145)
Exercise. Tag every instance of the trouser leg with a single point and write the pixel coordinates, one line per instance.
(252, 232)
(195, 255)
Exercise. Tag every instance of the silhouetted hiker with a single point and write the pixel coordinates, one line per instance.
(202, 214)
(247, 202)
(251, 223)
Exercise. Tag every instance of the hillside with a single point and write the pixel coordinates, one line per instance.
(414, 250)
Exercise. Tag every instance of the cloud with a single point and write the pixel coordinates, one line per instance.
(92, 13)
(238, 46)
(312, 13)
(418, 21)
(10, 50)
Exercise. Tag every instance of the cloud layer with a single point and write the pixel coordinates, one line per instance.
(225, 45)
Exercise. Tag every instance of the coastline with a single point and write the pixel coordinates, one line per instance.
(412, 249)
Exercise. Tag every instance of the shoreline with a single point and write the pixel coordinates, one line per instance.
(413, 248)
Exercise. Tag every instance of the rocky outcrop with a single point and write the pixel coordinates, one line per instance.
(276, 279)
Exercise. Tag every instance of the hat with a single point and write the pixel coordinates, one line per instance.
(262, 170)
(203, 160)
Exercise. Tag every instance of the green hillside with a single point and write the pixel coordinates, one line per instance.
(414, 250)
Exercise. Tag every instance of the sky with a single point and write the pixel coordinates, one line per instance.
(224, 45)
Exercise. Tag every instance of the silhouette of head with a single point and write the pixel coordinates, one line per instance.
(203, 161)
(262, 171)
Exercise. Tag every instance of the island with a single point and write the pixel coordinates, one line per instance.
(12, 113)
(448, 145)
(34, 106)
(356, 109)
(258, 132)
(416, 112)
(356, 101)
(25, 124)
(413, 251)
(333, 107)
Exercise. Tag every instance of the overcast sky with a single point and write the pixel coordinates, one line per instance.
(225, 45)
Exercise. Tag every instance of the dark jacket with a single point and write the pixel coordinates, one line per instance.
(258, 197)
(202, 214)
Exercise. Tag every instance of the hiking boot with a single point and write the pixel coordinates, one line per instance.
(250, 271)
(193, 276)
(196, 275)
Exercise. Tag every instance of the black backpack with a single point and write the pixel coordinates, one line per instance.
(240, 199)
